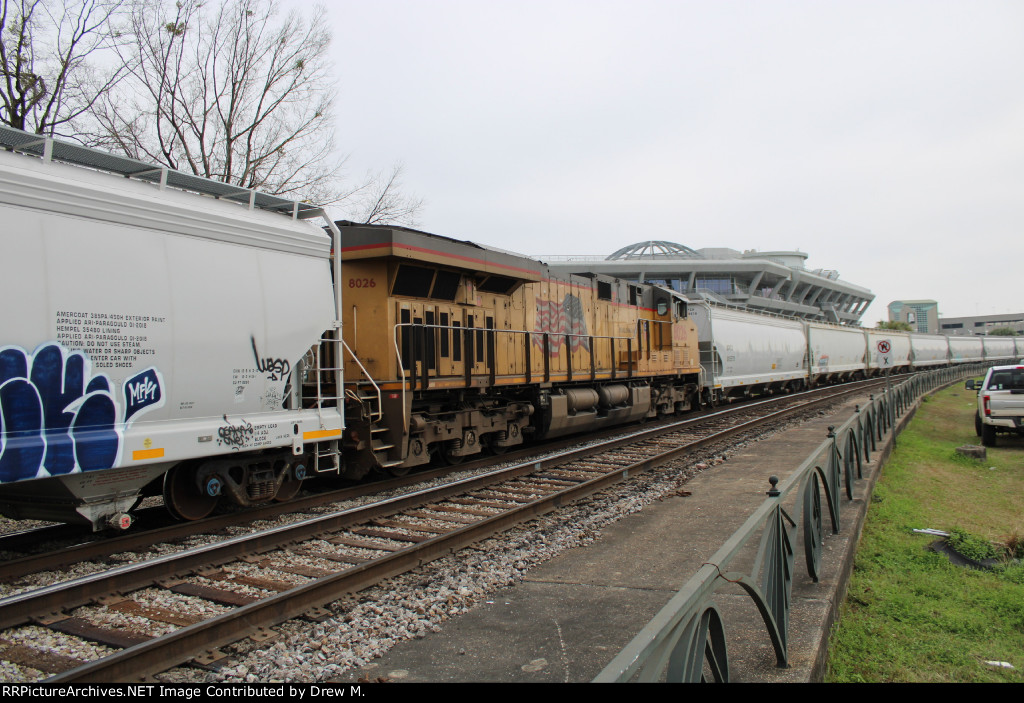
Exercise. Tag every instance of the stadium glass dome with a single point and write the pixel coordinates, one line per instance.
(654, 250)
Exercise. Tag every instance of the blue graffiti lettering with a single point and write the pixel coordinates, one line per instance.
(55, 418)
(141, 391)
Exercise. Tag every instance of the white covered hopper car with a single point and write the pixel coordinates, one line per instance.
(744, 353)
(146, 328)
(747, 353)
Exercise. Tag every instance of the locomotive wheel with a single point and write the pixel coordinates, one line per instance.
(449, 458)
(182, 497)
(399, 470)
(494, 448)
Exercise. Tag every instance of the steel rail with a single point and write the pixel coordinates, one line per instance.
(12, 569)
(20, 608)
(167, 651)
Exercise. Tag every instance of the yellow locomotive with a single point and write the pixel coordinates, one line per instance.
(457, 348)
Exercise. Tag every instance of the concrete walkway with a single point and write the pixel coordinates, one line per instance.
(572, 615)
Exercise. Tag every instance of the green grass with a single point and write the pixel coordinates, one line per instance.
(910, 615)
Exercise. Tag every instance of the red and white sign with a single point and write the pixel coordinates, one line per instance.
(884, 346)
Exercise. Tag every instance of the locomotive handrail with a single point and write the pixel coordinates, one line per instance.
(688, 636)
(468, 330)
(529, 340)
(648, 321)
(366, 373)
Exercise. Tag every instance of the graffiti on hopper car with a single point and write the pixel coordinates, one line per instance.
(235, 436)
(142, 392)
(275, 369)
(56, 417)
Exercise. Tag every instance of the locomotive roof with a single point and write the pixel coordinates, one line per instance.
(375, 241)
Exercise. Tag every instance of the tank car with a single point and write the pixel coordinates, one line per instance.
(152, 337)
(463, 348)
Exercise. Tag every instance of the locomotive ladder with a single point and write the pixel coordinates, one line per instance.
(368, 395)
(380, 445)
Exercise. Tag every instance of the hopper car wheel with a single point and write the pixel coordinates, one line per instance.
(288, 490)
(182, 497)
(290, 486)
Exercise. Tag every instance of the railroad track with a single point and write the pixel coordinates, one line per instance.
(246, 584)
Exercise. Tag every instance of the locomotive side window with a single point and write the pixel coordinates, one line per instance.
(634, 295)
(421, 282)
(413, 281)
(604, 290)
(446, 285)
(497, 284)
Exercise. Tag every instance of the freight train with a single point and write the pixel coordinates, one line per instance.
(167, 334)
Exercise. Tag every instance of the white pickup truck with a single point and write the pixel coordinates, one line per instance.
(1000, 402)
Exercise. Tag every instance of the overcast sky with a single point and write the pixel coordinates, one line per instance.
(885, 139)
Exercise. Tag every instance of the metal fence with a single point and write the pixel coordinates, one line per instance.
(686, 640)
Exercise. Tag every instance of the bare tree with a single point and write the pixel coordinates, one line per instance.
(380, 200)
(224, 90)
(46, 79)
